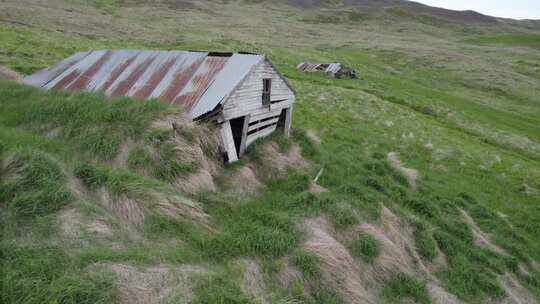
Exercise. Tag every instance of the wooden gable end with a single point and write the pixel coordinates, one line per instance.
(247, 99)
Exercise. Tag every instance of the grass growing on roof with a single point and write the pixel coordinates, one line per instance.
(92, 123)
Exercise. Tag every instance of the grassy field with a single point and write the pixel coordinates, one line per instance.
(458, 103)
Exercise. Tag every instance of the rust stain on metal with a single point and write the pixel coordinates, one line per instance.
(201, 81)
(197, 80)
(180, 79)
(116, 73)
(67, 80)
(155, 79)
(124, 86)
(84, 79)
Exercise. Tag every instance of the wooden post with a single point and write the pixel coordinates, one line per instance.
(228, 141)
(288, 121)
(244, 135)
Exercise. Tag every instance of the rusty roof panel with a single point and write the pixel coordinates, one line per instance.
(66, 78)
(197, 80)
(200, 81)
(42, 77)
(178, 76)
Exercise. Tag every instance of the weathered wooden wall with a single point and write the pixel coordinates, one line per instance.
(246, 101)
(247, 98)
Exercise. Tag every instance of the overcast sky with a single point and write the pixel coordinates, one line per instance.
(516, 9)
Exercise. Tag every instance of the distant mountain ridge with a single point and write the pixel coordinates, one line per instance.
(410, 7)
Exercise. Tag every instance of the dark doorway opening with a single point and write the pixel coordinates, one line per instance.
(237, 128)
(282, 119)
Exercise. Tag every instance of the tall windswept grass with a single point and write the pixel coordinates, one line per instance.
(94, 124)
(35, 275)
(32, 184)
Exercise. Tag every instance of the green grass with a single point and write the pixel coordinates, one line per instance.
(308, 264)
(402, 287)
(218, 289)
(456, 105)
(118, 182)
(32, 184)
(90, 123)
(527, 40)
(424, 242)
(48, 275)
(365, 247)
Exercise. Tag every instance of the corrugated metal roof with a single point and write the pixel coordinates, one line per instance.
(335, 69)
(199, 81)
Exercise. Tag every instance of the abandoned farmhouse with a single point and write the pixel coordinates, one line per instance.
(242, 93)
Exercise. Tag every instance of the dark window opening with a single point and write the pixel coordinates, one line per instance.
(267, 91)
(237, 128)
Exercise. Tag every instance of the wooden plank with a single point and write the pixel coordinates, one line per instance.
(244, 136)
(263, 133)
(288, 121)
(263, 123)
(258, 115)
(228, 141)
(281, 105)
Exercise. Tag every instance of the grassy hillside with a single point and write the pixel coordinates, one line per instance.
(431, 163)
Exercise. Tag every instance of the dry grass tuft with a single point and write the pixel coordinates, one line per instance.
(196, 182)
(243, 181)
(313, 137)
(515, 292)
(394, 238)
(123, 207)
(8, 74)
(339, 267)
(73, 225)
(481, 239)
(276, 162)
(156, 284)
(196, 145)
(288, 274)
(179, 207)
(410, 174)
(440, 296)
(253, 282)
